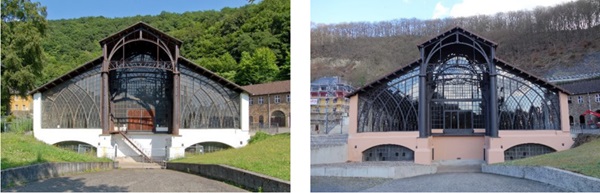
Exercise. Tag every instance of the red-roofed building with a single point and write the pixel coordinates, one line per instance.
(270, 106)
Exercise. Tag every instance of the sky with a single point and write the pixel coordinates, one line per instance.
(340, 11)
(67, 9)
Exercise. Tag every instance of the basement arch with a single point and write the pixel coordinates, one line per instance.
(207, 147)
(388, 152)
(526, 150)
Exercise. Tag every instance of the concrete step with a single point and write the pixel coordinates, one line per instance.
(129, 162)
(459, 166)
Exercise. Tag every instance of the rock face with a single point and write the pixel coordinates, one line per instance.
(584, 138)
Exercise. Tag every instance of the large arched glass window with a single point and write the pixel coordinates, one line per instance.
(74, 103)
(525, 105)
(206, 103)
(391, 106)
(457, 99)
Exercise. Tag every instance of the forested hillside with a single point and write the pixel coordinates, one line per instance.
(227, 41)
(547, 41)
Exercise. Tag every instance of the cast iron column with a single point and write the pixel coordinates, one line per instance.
(493, 98)
(176, 93)
(422, 98)
(105, 102)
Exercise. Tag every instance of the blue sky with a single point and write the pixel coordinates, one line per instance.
(339, 11)
(66, 9)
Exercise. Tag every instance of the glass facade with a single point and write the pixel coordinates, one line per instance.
(524, 105)
(392, 106)
(74, 103)
(206, 103)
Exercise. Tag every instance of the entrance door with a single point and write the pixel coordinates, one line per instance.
(458, 120)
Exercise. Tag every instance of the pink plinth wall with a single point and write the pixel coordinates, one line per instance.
(454, 147)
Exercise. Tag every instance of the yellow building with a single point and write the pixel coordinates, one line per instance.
(20, 106)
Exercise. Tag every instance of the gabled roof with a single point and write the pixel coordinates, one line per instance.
(211, 75)
(387, 77)
(86, 66)
(98, 61)
(384, 79)
(528, 76)
(135, 27)
(269, 88)
(459, 29)
(583, 86)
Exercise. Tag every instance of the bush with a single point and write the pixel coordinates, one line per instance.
(259, 136)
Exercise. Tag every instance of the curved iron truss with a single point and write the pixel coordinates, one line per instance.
(75, 103)
(206, 104)
(524, 105)
(392, 106)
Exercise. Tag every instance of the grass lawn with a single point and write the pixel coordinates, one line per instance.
(269, 155)
(20, 150)
(584, 159)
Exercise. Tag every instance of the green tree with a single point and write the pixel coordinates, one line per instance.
(259, 68)
(23, 29)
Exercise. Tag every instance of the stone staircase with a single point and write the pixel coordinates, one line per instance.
(458, 166)
(317, 141)
(131, 163)
(143, 161)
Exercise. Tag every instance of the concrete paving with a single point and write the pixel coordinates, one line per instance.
(440, 182)
(128, 180)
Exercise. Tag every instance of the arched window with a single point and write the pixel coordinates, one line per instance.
(278, 119)
(525, 151)
(261, 121)
(571, 120)
(388, 153)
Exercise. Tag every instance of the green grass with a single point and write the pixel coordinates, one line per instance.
(21, 150)
(584, 159)
(269, 155)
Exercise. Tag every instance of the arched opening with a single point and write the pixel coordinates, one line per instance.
(457, 100)
(526, 150)
(388, 152)
(278, 119)
(261, 121)
(571, 120)
(206, 147)
(581, 121)
(140, 87)
(77, 146)
(251, 120)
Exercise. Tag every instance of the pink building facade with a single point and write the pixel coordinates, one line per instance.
(457, 102)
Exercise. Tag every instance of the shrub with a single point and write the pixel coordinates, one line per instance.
(259, 136)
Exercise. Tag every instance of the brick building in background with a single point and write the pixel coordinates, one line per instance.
(585, 95)
(270, 106)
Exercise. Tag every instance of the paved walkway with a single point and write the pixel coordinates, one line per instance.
(446, 182)
(128, 180)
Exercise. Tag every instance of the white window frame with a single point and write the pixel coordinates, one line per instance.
(288, 98)
(251, 101)
(277, 99)
(598, 98)
(580, 99)
(260, 100)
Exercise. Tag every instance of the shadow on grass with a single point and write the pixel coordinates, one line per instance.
(63, 184)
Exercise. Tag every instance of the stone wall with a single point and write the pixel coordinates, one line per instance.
(576, 108)
(268, 107)
(564, 179)
(20, 175)
(247, 179)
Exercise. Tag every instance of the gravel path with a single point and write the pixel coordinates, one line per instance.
(128, 180)
(447, 182)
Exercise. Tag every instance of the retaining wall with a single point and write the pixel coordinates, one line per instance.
(564, 179)
(20, 175)
(329, 154)
(372, 170)
(247, 179)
